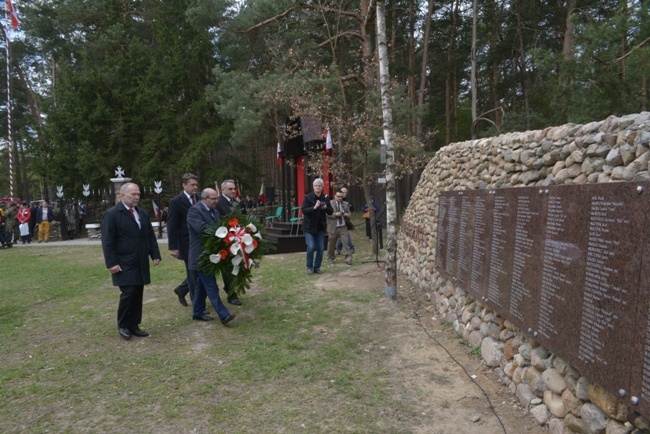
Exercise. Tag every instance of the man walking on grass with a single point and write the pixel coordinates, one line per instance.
(178, 234)
(128, 241)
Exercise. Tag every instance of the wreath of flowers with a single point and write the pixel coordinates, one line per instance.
(234, 248)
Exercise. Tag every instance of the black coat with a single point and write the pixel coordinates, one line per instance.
(198, 220)
(224, 207)
(315, 220)
(128, 246)
(177, 233)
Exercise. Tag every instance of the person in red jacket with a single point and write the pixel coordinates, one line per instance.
(24, 216)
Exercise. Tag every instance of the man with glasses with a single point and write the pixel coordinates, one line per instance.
(227, 202)
(199, 218)
(177, 233)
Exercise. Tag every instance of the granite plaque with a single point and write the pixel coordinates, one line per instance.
(501, 250)
(481, 242)
(527, 248)
(465, 238)
(562, 268)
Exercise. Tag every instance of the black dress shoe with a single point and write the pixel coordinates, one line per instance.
(139, 333)
(234, 300)
(227, 319)
(181, 297)
(203, 317)
(125, 333)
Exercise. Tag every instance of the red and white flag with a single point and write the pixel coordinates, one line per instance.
(261, 199)
(156, 210)
(15, 23)
(279, 159)
(328, 141)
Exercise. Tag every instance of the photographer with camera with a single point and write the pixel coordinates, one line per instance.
(315, 208)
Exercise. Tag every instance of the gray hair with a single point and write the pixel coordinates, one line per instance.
(226, 182)
(126, 186)
(318, 181)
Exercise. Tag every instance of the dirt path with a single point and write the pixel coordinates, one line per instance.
(441, 388)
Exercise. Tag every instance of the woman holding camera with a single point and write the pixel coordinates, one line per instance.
(315, 207)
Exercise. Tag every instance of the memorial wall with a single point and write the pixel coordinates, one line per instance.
(557, 259)
(535, 247)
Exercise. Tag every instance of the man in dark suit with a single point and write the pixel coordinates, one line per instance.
(225, 206)
(128, 240)
(177, 232)
(200, 217)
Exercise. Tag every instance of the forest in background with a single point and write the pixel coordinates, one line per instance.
(169, 86)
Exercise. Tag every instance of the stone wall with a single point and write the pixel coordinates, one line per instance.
(616, 149)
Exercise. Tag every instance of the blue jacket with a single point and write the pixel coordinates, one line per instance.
(198, 220)
(39, 215)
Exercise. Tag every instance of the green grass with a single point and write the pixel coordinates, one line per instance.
(293, 359)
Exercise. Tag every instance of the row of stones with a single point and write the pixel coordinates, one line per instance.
(611, 150)
(555, 393)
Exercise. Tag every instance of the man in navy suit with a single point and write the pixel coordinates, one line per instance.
(225, 206)
(177, 233)
(199, 218)
(128, 240)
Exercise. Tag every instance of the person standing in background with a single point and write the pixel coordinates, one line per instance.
(32, 223)
(44, 217)
(337, 229)
(339, 245)
(24, 216)
(10, 221)
(315, 207)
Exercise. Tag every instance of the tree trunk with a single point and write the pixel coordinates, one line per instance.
(425, 62)
(567, 44)
(411, 74)
(522, 64)
(451, 54)
(473, 78)
(391, 212)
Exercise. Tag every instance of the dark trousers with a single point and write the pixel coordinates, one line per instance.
(206, 286)
(226, 285)
(129, 311)
(188, 284)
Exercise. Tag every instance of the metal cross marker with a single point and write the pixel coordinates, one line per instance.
(119, 172)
